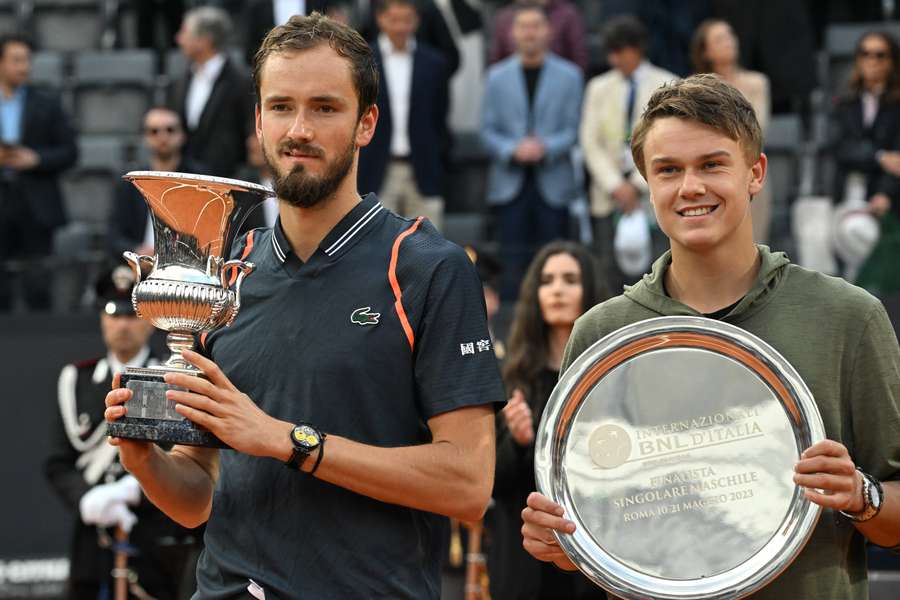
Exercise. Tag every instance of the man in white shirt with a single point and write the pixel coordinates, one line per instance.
(214, 97)
(613, 103)
(404, 162)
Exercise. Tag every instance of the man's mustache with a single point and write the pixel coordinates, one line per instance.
(307, 149)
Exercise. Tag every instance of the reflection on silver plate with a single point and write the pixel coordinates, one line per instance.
(671, 444)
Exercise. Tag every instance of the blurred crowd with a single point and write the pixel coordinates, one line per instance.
(508, 125)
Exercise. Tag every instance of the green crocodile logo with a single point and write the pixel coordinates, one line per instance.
(362, 316)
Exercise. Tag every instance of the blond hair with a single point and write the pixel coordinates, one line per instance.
(705, 99)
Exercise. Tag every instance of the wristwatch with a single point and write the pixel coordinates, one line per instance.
(873, 498)
(305, 439)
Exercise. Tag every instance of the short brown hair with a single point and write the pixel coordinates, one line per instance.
(705, 99)
(304, 33)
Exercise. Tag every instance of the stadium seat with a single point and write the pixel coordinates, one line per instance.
(88, 194)
(783, 145)
(102, 152)
(67, 25)
(9, 20)
(123, 80)
(464, 228)
(48, 69)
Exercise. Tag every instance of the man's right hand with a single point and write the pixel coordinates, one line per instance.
(890, 161)
(541, 518)
(132, 453)
(627, 197)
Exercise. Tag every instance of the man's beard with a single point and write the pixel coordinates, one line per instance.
(301, 189)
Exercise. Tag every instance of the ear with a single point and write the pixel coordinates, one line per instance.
(758, 174)
(365, 129)
(258, 119)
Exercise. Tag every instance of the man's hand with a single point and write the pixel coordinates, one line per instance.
(541, 518)
(879, 205)
(132, 453)
(215, 403)
(627, 197)
(530, 150)
(21, 158)
(519, 419)
(890, 161)
(827, 466)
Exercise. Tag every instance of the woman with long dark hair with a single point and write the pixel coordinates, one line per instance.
(865, 125)
(559, 286)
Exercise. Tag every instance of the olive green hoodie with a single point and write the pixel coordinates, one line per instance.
(840, 340)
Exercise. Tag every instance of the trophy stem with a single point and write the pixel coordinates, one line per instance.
(177, 343)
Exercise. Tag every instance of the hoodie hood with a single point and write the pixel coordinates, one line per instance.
(650, 292)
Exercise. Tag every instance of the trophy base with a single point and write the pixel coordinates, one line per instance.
(151, 417)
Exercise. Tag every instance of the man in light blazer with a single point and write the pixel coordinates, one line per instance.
(614, 102)
(530, 114)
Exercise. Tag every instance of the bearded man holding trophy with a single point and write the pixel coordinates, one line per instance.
(346, 343)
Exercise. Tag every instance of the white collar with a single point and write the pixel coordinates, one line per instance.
(139, 360)
(211, 68)
(387, 48)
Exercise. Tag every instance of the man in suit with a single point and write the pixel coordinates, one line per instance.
(214, 99)
(37, 143)
(259, 16)
(403, 163)
(613, 103)
(530, 116)
(432, 28)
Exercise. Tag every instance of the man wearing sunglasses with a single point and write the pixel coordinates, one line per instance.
(164, 139)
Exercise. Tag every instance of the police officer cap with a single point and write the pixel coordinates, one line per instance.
(113, 289)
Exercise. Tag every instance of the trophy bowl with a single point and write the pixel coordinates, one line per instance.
(671, 444)
(190, 287)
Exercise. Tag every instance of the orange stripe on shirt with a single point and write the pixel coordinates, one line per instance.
(398, 294)
(247, 248)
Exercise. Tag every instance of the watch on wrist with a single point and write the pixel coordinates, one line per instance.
(873, 498)
(305, 439)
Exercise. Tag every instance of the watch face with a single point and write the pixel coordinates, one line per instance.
(305, 436)
(875, 494)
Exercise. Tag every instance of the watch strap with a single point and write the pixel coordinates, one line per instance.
(873, 498)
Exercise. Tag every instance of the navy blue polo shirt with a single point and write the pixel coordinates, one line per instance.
(381, 329)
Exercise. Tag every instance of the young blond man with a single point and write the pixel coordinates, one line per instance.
(699, 147)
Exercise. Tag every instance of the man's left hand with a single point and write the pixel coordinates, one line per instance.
(215, 403)
(829, 477)
(21, 158)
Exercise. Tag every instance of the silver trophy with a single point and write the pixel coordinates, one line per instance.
(190, 288)
(671, 443)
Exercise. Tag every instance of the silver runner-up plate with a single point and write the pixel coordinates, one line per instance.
(671, 444)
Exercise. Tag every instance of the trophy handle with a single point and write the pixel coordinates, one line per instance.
(241, 270)
(135, 261)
